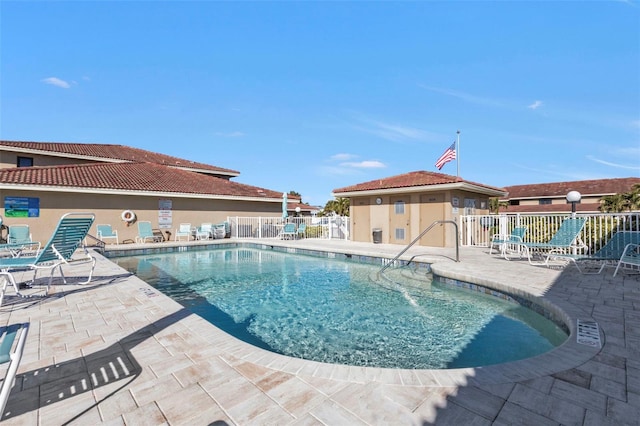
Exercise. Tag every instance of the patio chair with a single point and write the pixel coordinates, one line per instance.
(18, 234)
(608, 255)
(204, 231)
(566, 237)
(289, 231)
(630, 256)
(219, 231)
(68, 236)
(145, 233)
(184, 230)
(506, 241)
(12, 341)
(105, 232)
(302, 230)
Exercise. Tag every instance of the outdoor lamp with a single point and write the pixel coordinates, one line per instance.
(298, 211)
(573, 197)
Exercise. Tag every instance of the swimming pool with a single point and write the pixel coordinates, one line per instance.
(331, 311)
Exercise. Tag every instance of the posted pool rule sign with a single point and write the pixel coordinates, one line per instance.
(165, 215)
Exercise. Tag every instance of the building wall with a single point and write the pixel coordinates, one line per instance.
(10, 160)
(420, 211)
(108, 210)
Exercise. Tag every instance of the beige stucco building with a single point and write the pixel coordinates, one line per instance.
(397, 209)
(39, 182)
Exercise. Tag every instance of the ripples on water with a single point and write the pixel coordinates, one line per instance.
(330, 311)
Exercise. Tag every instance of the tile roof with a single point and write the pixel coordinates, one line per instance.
(560, 189)
(140, 177)
(551, 208)
(115, 153)
(408, 180)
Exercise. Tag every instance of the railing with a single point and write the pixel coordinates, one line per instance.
(328, 227)
(415, 240)
(476, 230)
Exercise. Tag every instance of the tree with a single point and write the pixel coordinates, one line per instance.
(495, 204)
(339, 206)
(618, 203)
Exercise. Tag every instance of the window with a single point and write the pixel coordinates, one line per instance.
(399, 233)
(25, 162)
(469, 206)
(514, 202)
(544, 201)
(399, 207)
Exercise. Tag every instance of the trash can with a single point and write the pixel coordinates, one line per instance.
(377, 235)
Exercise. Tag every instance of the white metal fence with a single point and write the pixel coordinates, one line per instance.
(476, 230)
(328, 227)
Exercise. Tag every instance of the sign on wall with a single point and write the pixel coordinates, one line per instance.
(21, 207)
(165, 214)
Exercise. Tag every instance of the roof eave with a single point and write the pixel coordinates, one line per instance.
(424, 188)
(112, 191)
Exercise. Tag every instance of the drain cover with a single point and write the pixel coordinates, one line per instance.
(588, 333)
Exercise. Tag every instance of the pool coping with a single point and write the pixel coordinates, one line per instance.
(568, 355)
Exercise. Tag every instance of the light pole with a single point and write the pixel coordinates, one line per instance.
(573, 197)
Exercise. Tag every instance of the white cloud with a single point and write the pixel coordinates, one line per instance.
(55, 81)
(342, 157)
(367, 164)
(535, 105)
(607, 163)
(467, 97)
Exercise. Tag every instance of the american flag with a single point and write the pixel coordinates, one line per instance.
(448, 155)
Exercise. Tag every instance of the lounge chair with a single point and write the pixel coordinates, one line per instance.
(204, 231)
(630, 256)
(567, 237)
(183, 231)
(105, 232)
(68, 236)
(507, 241)
(145, 233)
(302, 230)
(220, 230)
(289, 231)
(608, 255)
(12, 341)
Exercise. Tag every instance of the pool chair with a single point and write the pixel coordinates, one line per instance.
(12, 341)
(183, 231)
(302, 230)
(204, 231)
(630, 256)
(105, 232)
(506, 242)
(145, 233)
(68, 236)
(567, 237)
(608, 255)
(289, 231)
(219, 231)
(18, 234)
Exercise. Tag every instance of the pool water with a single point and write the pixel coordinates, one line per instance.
(331, 311)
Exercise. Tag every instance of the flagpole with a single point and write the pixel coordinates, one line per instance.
(458, 153)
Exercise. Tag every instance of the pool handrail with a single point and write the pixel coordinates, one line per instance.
(415, 240)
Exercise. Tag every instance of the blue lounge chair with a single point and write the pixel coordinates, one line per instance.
(630, 256)
(68, 236)
(145, 233)
(105, 232)
(289, 231)
(608, 255)
(567, 237)
(507, 241)
(11, 352)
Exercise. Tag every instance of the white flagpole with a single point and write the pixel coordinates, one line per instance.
(458, 153)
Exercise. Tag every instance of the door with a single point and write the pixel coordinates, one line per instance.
(432, 209)
(400, 220)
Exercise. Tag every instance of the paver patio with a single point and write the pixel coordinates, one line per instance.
(118, 352)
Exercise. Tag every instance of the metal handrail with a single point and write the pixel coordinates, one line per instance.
(384, 268)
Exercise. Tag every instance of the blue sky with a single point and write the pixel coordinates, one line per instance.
(314, 96)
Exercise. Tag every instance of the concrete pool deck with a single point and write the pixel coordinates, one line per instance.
(118, 352)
